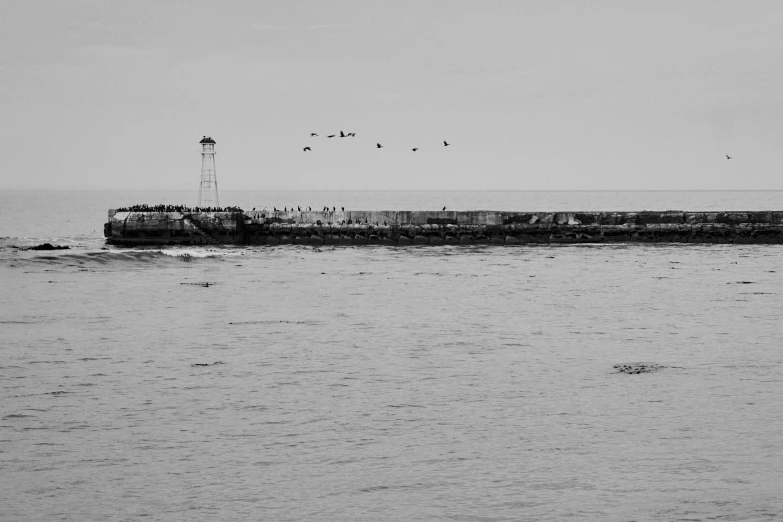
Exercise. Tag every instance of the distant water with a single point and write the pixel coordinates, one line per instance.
(354, 384)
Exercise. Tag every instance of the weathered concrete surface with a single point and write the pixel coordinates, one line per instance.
(404, 228)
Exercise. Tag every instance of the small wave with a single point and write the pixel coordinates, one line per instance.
(108, 257)
(312, 323)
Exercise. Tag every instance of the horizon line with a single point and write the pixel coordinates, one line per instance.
(394, 190)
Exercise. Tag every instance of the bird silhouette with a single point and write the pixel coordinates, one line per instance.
(313, 134)
(334, 209)
(342, 134)
(331, 136)
(285, 209)
(445, 143)
(379, 145)
(728, 157)
(306, 149)
(415, 149)
(444, 208)
(299, 209)
(351, 134)
(343, 209)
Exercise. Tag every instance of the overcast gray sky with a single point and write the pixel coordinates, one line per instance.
(532, 94)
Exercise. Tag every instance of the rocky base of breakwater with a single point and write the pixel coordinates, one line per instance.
(397, 228)
(44, 246)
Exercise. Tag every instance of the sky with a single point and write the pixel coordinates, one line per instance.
(531, 94)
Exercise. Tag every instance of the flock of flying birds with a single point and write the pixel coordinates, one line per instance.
(353, 135)
(379, 146)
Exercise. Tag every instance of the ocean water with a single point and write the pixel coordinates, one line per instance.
(354, 384)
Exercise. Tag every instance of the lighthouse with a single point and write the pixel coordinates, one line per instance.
(208, 190)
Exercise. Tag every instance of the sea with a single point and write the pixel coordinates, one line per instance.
(451, 383)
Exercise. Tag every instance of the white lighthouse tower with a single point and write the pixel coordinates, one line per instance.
(208, 190)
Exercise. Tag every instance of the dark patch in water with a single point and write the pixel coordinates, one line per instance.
(638, 367)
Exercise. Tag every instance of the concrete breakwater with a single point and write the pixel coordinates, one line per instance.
(402, 228)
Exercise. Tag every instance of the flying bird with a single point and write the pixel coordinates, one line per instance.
(306, 149)
(445, 143)
(331, 136)
(351, 134)
(342, 134)
(379, 145)
(728, 157)
(415, 149)
(313, 134)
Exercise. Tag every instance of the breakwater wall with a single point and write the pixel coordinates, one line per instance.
(402, 228)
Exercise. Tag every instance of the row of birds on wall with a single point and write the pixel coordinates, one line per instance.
(310, 209)
(353, 135)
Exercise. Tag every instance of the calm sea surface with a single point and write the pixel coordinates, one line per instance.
(357, 384)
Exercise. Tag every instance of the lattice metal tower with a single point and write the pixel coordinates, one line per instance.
(208, 190)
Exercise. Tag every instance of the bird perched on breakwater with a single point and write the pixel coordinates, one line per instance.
(342, 208)
(444, 208)
(306, 149)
